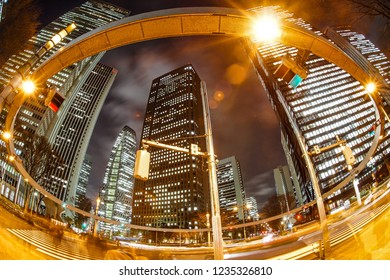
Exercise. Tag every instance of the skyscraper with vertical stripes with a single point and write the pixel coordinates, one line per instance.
(328, 104)
(83, 100)
(72, 128)
(231, 192)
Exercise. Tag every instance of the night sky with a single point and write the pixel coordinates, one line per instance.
(243, 122)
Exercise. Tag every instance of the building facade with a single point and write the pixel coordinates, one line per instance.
(35, 117)
(177, 188)
(82, 184)
(328, 104)
(253, 211)
(284, 186)
(232, 198)
(72, 128)
(118, 184)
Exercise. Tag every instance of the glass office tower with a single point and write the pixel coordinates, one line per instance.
(82, 184)
(35, 117)
(177, 188)
(118, 183)
(328, 104)
(231, 192)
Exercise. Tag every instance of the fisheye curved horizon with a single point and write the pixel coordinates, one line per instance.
(188, 22)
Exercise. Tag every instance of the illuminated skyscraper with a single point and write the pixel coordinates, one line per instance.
(118, 183)
(232, 199)
(82, 184)
(329, 103)
(73, 127)
(253, 208)
(177, 188)
(74, 122)
(284, 185)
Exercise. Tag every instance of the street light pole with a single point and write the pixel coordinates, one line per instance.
(208, 232)
(96, 224)
(211, 160)
(246, 207)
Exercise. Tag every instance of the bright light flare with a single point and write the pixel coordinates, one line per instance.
(266, 28)
(370, 87)
(268, 238)
(6, 135)
(28, 86)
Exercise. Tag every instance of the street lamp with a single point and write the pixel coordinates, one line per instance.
(247, 207)
(371, 87)
(208, 232)
(28, 86)
(266, 28)
(96, 225)
(6, 135)
(8, 93)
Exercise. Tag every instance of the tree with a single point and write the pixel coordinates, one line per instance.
(38, 159)
(372, 8)
(84, 204)
(275, 205)
(18, 26)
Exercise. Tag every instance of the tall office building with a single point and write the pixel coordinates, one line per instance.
(37, 118)
(118, 183)
(284, 185)
(177, 188)
(72, 128)
(82, 183)
(253, 208)
(329, 103)
(232, 199)
(3, 3)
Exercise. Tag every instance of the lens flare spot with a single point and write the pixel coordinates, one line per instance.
(213, 104)
(236, 74)
(219, 96)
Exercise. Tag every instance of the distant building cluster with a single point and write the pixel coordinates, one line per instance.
(328, 104)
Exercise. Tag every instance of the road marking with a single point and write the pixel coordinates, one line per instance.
(48, 245)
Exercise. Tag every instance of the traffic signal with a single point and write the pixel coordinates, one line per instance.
(371, 131)
(54, 99)
(298, 217)
(291, 72)
(56, 102)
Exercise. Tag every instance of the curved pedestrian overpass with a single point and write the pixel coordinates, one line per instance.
(188, 22)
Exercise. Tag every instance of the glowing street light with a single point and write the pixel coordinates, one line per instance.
(371, 87)
(246, 207)
(6, 135)
(266, 28)
(96, 224)
(28, 86)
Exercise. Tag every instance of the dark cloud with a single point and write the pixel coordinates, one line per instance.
(261, 188)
